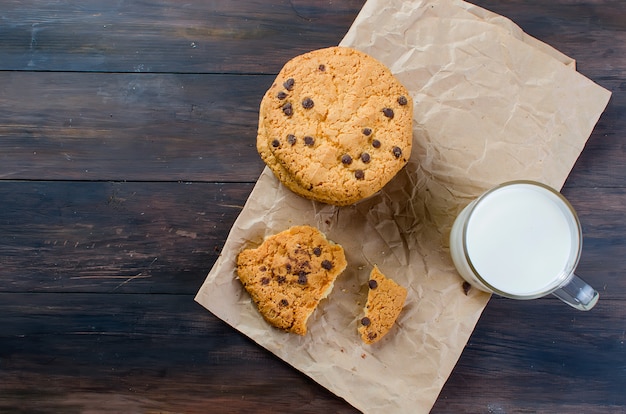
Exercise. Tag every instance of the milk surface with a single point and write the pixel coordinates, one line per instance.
(521, 239)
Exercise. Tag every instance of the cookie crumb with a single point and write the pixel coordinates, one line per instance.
(466, 287)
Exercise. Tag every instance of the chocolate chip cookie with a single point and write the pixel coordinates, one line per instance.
(289, 274)
(335, 126)
(385, 300)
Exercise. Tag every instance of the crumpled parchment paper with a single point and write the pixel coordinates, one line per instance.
(492, 104)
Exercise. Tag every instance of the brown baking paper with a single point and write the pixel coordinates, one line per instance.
(492, 104)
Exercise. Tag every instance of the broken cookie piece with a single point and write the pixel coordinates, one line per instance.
(385, 299)
(289, 274)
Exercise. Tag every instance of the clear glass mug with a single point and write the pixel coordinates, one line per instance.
(521, 240)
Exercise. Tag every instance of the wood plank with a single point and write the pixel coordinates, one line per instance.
(163, 352)
(93, 126)
(520, 350)
(139, 353)
(245, 36)
(113, 237)
(129, 237)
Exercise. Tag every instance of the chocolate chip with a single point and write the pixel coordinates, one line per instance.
(262, 268)
(327, 264)
(365, 157)
(322, 68)
(388, 112)
(309, 141)
(365, 321)
(289, 84)
(372, 284)
(288, 267)
(291, 139)
(307, 103)
(288, 109)
(367, 132)
(302, 278)
(281, 280)
(317, 251)
(265, 281)
(376, 143)
(275, 143)
(283, 302)
(402, 100)
(346, 159)
(359, 174)
(281, 95)
(397, 152)
(371, 336)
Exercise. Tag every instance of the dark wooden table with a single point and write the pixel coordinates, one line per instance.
(127, 150)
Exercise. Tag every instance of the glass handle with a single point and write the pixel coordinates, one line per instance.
(578, 294)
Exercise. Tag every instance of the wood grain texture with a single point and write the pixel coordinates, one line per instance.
(98, 126)
(166, 36)
(571, 362)
(127, 151)
(113, 237)
(163, 237)
(89, 352)
(141, 127)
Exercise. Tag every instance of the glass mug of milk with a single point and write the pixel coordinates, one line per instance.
(521, 240)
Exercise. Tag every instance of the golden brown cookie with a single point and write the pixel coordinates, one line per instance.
(289, 274)
(385, 299)
(335, 126)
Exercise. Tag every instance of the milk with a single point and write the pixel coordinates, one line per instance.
(518, 240)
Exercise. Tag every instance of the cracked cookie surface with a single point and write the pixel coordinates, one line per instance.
(335, 126)
(289, 274)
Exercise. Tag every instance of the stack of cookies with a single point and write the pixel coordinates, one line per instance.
(335, 126)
